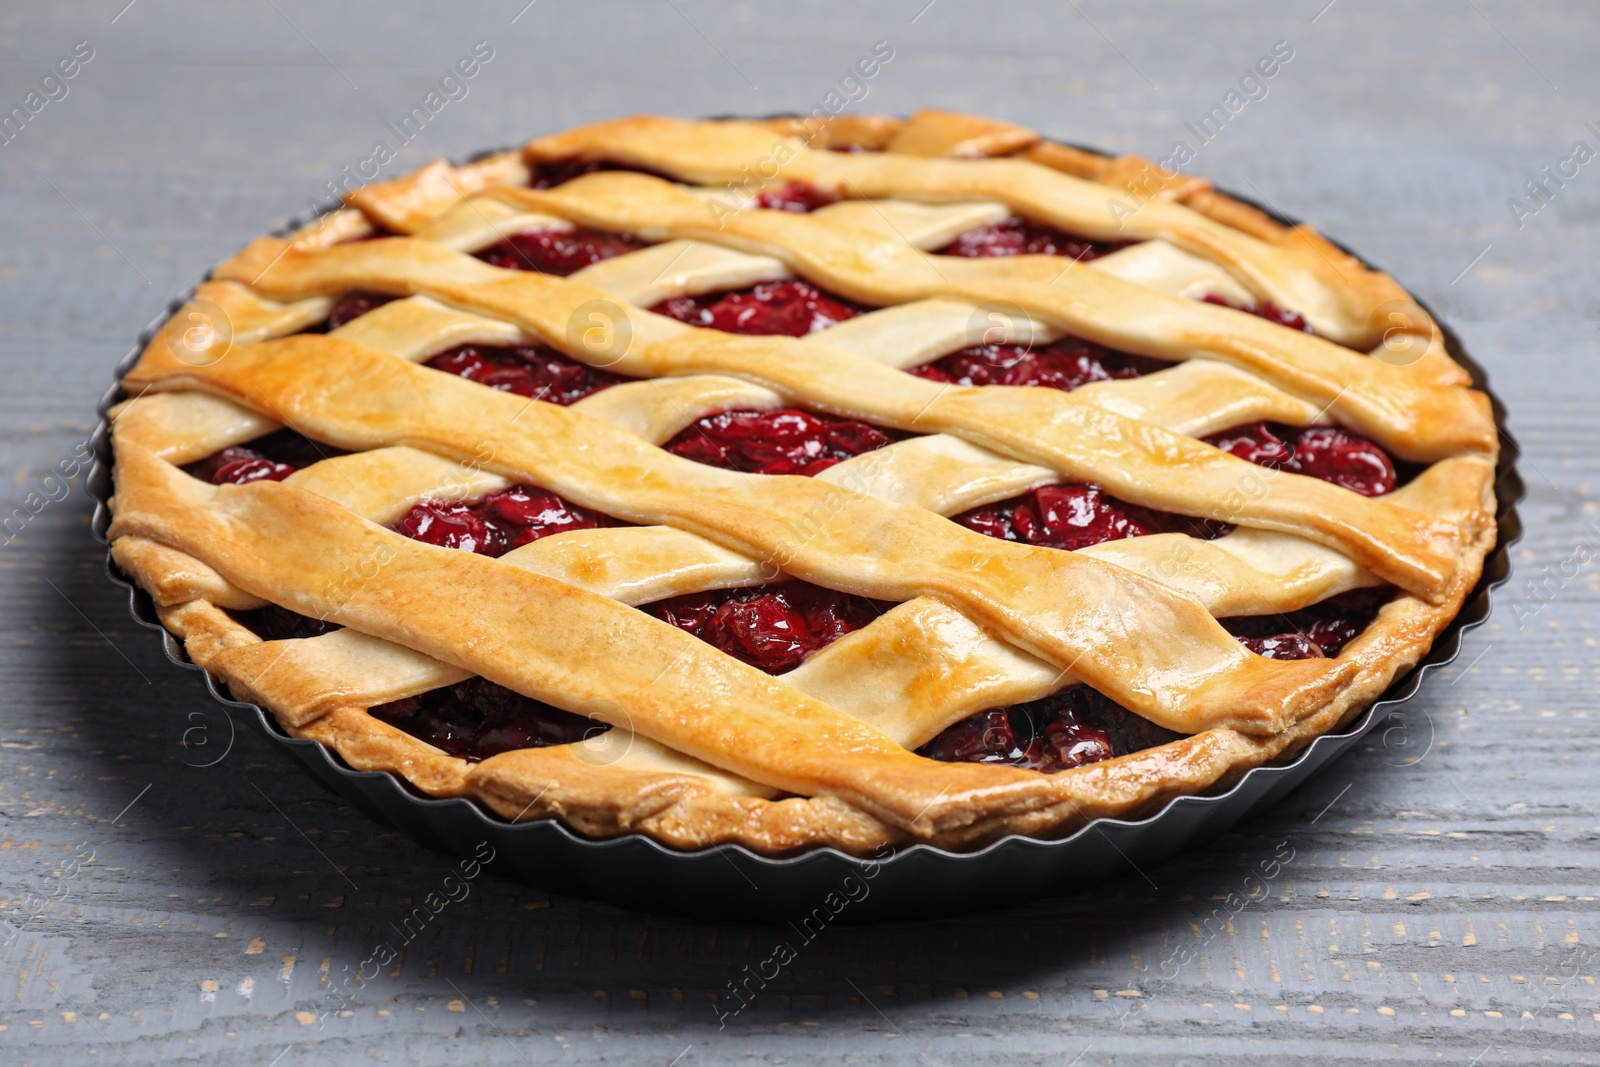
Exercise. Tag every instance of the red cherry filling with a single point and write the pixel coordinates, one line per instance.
(354, 304)
(1080, 725)
(476, 719)
(453, 524)
(499, 522)
(1019, 237)
(527, 370)
(1266, 310)
(785, 441)
(796, 196)
(1067, 729)
(792, 308)
(1312, 632)
(554, 172)
(273, 623)
(1283, 646)
(772, 627)
(558, 252)
(270, 458)
(1063, 364)
(236, 466)
(1330, 453)
(1076, 516)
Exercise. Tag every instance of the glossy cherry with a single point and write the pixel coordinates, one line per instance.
(558, 252)
(554, 172)
(1074, 727)
(1064, 364)
(1330, 453)
(535, 371)
(453, 524)
(785, 441)
(795, 196)
(237, 466)
(1265, 309)
(1019, 237)
(354, 304)
(274, 623)
(1063, 516)
(528, 513)
(501, 521)
(1318, 630)
(476, 719)
(791, 308)
(774, 628)
(272, 457)
(1077, 515)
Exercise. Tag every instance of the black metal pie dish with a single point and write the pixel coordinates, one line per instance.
(914, 881)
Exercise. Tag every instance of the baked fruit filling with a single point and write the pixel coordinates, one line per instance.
(273, 623)
(272, 458)
(1019, 237)
(789, 308)
(1063, 364)
(354, 304)
(1079, 725)
(1330, 453)
(1076, 515)
(785, 441)
(476, 719)
(788, 440)
(1058, 733)
(1265, 309)
(1073, 516)
(554, 172)
(558, 251)
(499, 522)
(536, 371)
(1322, 629)
(795, 196)
(1064, 730)
(773, 628)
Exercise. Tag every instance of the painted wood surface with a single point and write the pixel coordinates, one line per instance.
(1441, 902)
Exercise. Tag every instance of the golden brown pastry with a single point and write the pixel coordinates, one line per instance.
(788, 486)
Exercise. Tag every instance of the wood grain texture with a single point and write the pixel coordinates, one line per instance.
(1440, 909)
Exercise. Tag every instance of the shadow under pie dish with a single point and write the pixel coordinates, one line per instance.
(801, 487)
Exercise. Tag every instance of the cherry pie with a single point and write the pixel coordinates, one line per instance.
(795, 484)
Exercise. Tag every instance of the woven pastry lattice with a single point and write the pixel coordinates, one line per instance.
(703, 748)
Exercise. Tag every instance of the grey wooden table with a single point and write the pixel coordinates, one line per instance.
(1439, 910)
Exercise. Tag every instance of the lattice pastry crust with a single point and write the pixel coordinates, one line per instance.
(702, 748)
